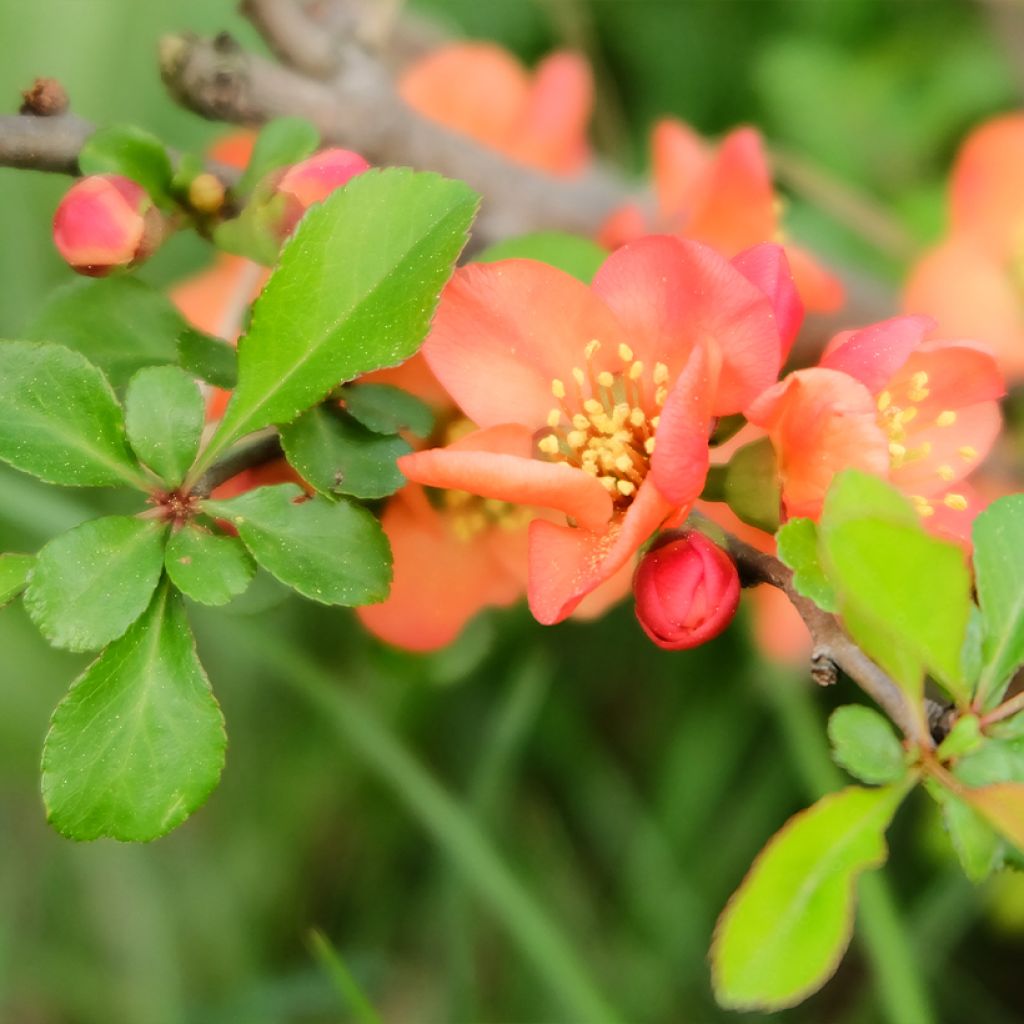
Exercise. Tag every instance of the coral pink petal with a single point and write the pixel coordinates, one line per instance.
(681, 160)
(496, 463)
(959, 373)
(567, 563)
(875, 353)
(767, 266)
(739, 208)
(553, 133)
(440, 581)
(954, 523)
(414, 376)
(626, 224)
(669, 294)
(820, 290)
(216, 299)
(679, 464)
(780, 632)
(987, 202)
(477, 89)
(504, 331)
(602, 599)
(971, 295)
(235, 149)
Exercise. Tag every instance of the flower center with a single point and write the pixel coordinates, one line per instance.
(601, 424)
(470, 515)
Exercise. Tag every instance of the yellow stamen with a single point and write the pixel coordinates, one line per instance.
(549, 445)
(660, 373)
(945, 473)
(593, 347)
(625, 353)
(884, 401)
(558, 388)
(626, 488)
(946, 418)
(957, 502)
(967, 453)
(554, 417)
(605, 379)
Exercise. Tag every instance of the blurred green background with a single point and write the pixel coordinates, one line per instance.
(626, 788)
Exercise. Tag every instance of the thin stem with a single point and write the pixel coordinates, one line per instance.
(1005, 710)
(260, 449)
(345, 984)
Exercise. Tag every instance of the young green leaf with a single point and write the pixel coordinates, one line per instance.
(91, 583)
(255, 233)
(334, 553)
(797, 543)
(999, 573)
(979, 848)
(787, 926)
(131, 152)
(138, 743)
(14, 573)
(283, 141)
(387, 410)
(1002, 806)
(355, 289)
(578, 256)
(963, 738)
(337, 455)
(119, 324)
(59, 419)
(209, 568)
(864, 744)
(752, 488)
(164, 416)
(208, 358)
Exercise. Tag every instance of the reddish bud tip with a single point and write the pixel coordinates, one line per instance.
(313, 180)
(105, 222)
(686, 590)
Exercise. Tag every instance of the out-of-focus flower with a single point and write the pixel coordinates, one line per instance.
(106, 222)
(313, 180)
(722, 196)
(686, 590)
(481, 90)
(595, 403)
(922, 414)
(972, 283)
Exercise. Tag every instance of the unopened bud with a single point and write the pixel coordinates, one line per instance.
(206, 193)
(686, 590)
(105, 222)
(313, 180)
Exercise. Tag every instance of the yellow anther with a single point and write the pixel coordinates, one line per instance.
(626, 487)
(946, 418)
(605, 379)
(589, 467)
(655, 420)
(649, 446)
(660, 395)
(906, 415)
(625, 353)
(945, 472)
(609, 483)
(623, 463)
(884, 401)
(957, 502)
(918, 389)
(554, 417)
(660, 373)
(593, 407)
(967, 453)
(636, 371)
(593, 347)
(580, 422)
(557, 388)
(495, 505)
(576, 438)
(637, 418)
(578, 376)
(922, 506)
(549, 444)
(896, 450)
(925, 511)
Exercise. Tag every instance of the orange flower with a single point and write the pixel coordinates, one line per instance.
(722, 196)
(595, 403)
(480, 90)
(973, 281)
(921, 413)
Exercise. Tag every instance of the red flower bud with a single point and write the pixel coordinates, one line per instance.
(313, 180)
(686, 590)
(105, 222)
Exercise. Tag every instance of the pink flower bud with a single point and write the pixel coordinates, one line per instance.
(105, 222)
(313, 180)
(686, 590)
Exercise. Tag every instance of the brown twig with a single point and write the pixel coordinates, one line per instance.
(256, 451)
(31, 142)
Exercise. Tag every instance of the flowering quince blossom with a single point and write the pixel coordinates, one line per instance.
(722, 196)
(973, 281)
(596, 403)
(922, 414)
(481, 90)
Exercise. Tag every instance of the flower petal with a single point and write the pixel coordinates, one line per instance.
(497, 463)
(820, 290)
(873, 354)
(767, 266)
(553, 131)
(504, 331)
(680, 161)
(215, 300)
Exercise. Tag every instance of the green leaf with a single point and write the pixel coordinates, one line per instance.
(326, 316)
(209, 568)
(999, 572)
(208, 358)
(59, 419)
(752, 487)
(1002, 806)
(797, 543)
(979, 848)
(14, 573)
(963, 738)
(387, 410)
(334, 553)
(283, 141)
(864, 744)
(164, 415)
(131, 152)
(118, 323)
(786, 928)
(904, 594)
(138, 743)
(337, 455)
(255, 233)
(578, 256)
(91, 583)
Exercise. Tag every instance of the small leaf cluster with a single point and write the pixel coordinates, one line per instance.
(106, 392)
(906, 597)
